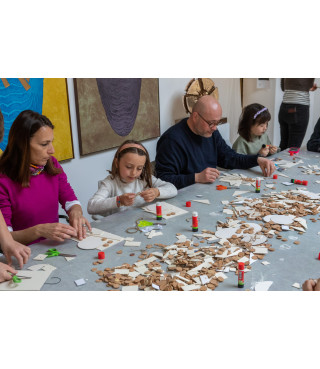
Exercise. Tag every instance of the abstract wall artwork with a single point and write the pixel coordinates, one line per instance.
(47, 96)
(111, 110)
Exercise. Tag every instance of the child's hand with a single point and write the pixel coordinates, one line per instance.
(4, 272)
(264, 151)
(127, 199)
(150, 194)
(273, 149)
(311, 285)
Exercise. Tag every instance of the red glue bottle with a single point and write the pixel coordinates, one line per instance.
(159, 210)
(194, 221)
(240, 275)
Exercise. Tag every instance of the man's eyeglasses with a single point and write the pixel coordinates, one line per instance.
(213, 123)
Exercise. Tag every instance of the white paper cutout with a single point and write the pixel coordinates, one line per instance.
(98, 239)
(166, 209)
(69, 258)
(40, 257)
(80, 282)
(203, 201)
(132, 243)
(282, 219)
(237, 193)
(90, 243)
(204, 279)
(262, 286)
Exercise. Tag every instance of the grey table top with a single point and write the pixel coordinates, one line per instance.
(290, 264)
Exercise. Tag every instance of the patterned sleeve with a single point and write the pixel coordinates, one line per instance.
(66, 193)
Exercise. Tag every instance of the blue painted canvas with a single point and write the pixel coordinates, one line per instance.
(15, 98)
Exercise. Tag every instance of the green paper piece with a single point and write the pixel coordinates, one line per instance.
(144, 223)
(16, 279)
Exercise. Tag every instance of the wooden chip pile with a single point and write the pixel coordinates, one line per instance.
(198, 266)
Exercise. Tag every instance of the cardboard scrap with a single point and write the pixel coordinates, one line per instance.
(263, 286)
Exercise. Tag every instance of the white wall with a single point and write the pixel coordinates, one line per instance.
(85, 172)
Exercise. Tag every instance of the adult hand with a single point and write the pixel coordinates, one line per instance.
(273, 149)
(314, 87)
(127, 199)
(4, 272)
(13, 248)
(56, 231)
(78, 221)
(208, 175)
(311, 285)
(267, 166)
(264, 151)
(150, 194)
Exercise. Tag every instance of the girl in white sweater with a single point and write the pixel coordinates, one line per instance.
(130, 182)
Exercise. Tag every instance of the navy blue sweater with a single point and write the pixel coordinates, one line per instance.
(314, 142)
(181, 153)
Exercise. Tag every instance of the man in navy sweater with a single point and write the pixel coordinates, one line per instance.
(190, 151)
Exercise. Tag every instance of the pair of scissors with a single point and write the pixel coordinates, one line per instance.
(221, 188)
(135, 229)
(54, 252)
(141, 223)
(17, 279)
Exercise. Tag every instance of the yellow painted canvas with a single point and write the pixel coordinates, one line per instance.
(56, 108)
(47, 96)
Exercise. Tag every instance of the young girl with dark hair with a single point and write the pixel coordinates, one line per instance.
(253, 139)
(130, 182)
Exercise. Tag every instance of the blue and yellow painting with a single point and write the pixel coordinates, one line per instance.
(48, 96)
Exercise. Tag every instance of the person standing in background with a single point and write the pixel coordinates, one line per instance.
(294, 110)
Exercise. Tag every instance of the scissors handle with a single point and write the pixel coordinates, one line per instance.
(132, 230)
(52, 252)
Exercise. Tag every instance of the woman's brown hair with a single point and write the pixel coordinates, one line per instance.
(252, 114)
(15, 160)
(146, 171)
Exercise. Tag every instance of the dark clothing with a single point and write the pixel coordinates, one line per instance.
(298, 84)
(293, 119)
(314, 142)
(294, 116)
(181, 153)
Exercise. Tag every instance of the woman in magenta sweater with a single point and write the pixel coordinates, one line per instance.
(8, 245)
(32, 184)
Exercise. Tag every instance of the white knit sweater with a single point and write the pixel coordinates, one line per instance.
(104, 203)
